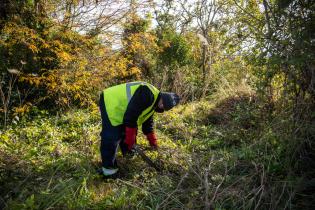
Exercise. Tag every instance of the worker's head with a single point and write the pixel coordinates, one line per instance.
(167, 101)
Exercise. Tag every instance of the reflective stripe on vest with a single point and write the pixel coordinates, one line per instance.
(117, 98)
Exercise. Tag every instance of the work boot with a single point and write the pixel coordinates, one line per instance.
(113, 176)
(109, 173)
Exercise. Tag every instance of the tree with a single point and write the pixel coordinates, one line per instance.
(213, 23)
(139, 45)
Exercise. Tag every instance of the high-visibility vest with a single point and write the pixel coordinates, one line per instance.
(117, 98)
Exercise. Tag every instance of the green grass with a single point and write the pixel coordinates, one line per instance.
(220, 155)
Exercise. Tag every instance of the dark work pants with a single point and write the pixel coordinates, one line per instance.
(111, 137)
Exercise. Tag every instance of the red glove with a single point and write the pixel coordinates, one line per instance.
(152, 139)
(130, 138)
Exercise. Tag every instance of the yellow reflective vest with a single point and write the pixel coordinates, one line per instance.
(117, 98)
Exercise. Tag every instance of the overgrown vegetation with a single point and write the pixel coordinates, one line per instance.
(223, 155)
(243, 137)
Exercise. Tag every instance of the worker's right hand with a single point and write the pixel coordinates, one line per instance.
(152, 140)
(130, 137)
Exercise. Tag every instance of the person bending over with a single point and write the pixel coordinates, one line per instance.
(124, 108)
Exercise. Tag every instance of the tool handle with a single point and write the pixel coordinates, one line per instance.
(145, 157)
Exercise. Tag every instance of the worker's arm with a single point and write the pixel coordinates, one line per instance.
(141, 100)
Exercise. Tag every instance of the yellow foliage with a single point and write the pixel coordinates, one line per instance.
(64, 56)
(134, 70)
(68, 67)
(64, 100)
(31, 79)
(22, 35)
(23, 109)
(45, 45)
(141, 43)
(33, 48)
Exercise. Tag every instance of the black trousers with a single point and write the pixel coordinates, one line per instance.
(111, 138)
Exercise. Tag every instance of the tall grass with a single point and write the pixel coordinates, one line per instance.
(222, 154)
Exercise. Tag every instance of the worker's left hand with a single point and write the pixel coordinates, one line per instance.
(125, 150)
(152, 140)
(130, 138)
(129, 153)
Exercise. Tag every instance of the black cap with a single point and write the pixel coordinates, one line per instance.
(169, 100)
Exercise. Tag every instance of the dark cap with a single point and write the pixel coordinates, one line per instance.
(169, 100)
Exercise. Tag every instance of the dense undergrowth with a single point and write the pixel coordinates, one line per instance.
(215, 155)
(243, 140)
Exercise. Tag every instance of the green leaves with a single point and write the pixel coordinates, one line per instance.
(175, 50)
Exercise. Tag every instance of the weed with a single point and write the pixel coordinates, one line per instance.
(219, 155)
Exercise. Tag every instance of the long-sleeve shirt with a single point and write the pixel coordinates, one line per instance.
(141, 100)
